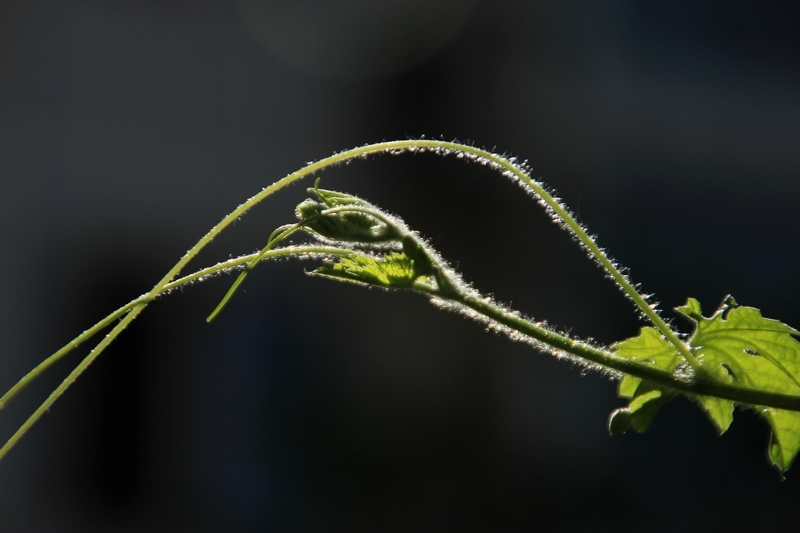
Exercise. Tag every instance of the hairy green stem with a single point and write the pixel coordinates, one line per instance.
(610, 360)
(127, 314)
(282, 233)
(273, 241)
(608, 265)
(511, 168)
(213, 270)
(70, 379)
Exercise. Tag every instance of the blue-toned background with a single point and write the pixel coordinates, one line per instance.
(129, 128)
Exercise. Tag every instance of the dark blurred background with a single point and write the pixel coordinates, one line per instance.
(128, 128)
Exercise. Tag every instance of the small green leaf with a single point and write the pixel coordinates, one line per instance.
(652, 349)
(719, 410)
(649, 348)
(393, 270)
(627, 386)
(785, 440)
(691, 309)
(739, 345)
(735, 345)
(642, 409)
(644, 406)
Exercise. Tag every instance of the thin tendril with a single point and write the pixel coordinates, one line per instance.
(508, 167)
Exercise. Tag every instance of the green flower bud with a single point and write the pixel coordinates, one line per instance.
(347, 226)
(619, 421)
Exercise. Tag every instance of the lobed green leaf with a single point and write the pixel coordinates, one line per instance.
(737, 346)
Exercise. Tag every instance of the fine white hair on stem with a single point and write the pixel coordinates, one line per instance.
(508, 166)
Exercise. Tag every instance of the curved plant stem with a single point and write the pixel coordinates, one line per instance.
(508, 167)
(127, 313)
(219, 268)
(276, 238)
(610, 360)
(273, 241)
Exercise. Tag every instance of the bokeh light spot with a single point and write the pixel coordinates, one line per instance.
(355, 39)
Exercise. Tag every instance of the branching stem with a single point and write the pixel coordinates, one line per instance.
(127, 313)
(611, 360)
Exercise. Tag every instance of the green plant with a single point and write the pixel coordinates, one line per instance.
(734, 357)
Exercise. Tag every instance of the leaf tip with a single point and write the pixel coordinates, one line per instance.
(719, 411)
(691, 309)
